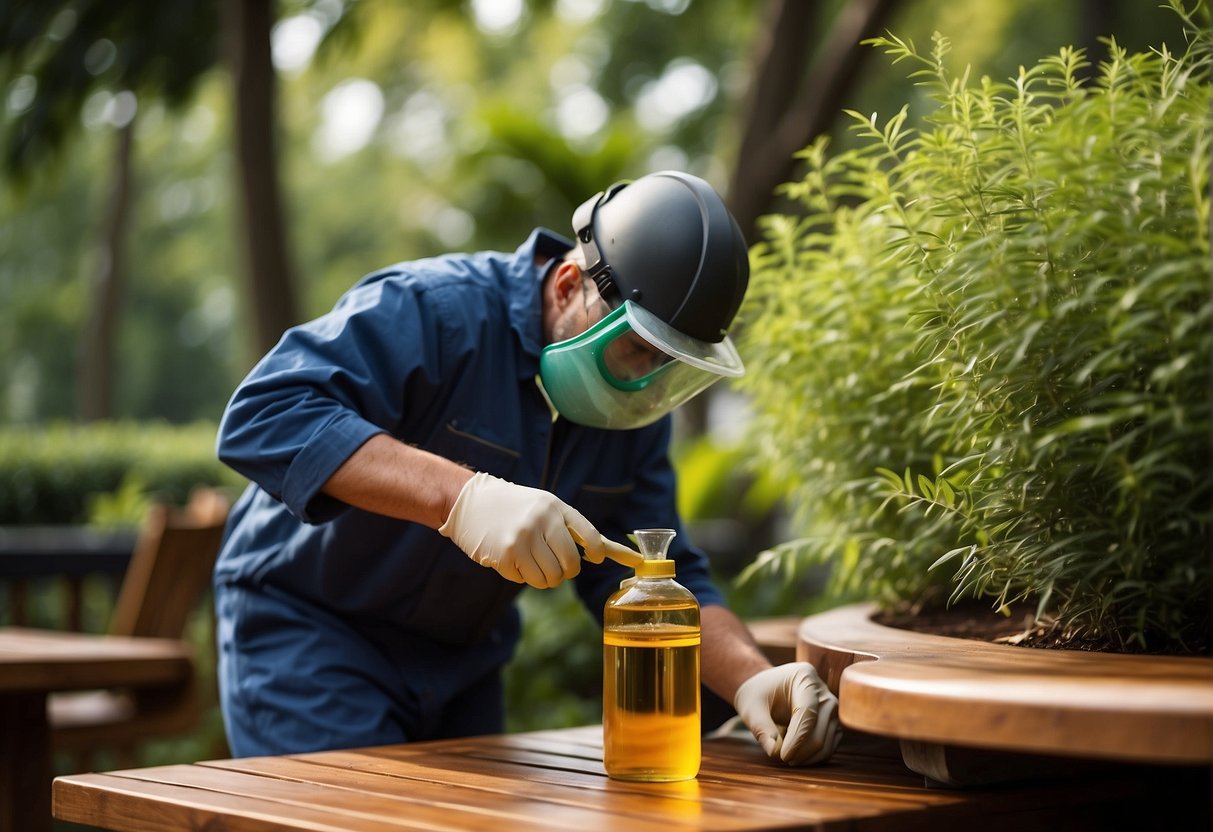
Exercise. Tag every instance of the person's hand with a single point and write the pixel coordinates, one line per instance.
(791, 712)
(524, 533)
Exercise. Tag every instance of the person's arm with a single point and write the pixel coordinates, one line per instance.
(387, 476)
(324, 391)
(525, 534)
(728, 654)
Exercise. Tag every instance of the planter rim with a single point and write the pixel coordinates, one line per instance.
(940, 689)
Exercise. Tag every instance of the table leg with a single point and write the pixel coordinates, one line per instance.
(25, 763)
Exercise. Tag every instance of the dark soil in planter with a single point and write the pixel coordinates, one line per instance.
(977, 620)
(967, 619)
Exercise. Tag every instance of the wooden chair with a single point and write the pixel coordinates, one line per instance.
(169, 573)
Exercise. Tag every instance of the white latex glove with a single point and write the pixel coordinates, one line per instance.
(791, 712)
(524, 533)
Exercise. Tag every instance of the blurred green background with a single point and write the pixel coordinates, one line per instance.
(402, 130)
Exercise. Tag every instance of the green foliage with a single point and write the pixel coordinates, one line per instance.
(474, 147)
(469, 152)
(63, 473)
(63, 51)
(555, 677)
(124, 507)
(985, 346)
(718, 480)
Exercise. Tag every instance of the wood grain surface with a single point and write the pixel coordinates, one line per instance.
(554, 780)
(920, 687)
(46, 660)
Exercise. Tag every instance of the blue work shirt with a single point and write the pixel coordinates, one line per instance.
(443, 354)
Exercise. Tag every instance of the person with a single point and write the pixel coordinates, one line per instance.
(453, 430)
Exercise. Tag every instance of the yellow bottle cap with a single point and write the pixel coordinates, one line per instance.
(657, 568)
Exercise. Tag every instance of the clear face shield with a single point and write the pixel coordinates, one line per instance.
(630, 369)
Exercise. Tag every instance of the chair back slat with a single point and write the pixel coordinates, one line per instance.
(171, 566)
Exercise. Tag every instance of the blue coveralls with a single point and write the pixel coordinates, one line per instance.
(341, 628)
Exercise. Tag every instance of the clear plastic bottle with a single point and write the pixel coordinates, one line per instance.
(650, 704)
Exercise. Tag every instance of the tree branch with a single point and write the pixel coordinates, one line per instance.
(783, 121)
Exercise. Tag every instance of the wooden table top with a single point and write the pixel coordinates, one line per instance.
(50, 660)
(555, 780)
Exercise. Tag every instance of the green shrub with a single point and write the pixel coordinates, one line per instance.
(983, 364)
(555, 677)
(60, 473)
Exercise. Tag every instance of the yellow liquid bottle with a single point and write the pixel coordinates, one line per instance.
(650, 702)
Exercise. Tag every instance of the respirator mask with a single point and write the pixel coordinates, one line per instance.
(630, 369)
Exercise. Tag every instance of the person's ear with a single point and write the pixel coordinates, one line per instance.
(566, 284)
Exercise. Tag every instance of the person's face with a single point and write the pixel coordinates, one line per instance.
(577, 316)
(628, 357)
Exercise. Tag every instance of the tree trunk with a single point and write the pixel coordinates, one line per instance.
(269, 278)
(784, 110)
(781, 116)
(1093, 22)
(95, 360)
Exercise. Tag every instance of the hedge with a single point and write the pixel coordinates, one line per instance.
(51, 474)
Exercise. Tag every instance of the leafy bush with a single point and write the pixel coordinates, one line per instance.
(555, 677)
(60, 473)
(985, 347)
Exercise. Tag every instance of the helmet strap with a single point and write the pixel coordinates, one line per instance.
(583, 224)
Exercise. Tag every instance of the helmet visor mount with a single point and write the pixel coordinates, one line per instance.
(630, 369)
(583, 225)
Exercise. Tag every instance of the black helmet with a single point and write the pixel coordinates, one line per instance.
(667, 242)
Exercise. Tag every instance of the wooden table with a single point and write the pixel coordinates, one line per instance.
(554, 780)
(36, 663)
